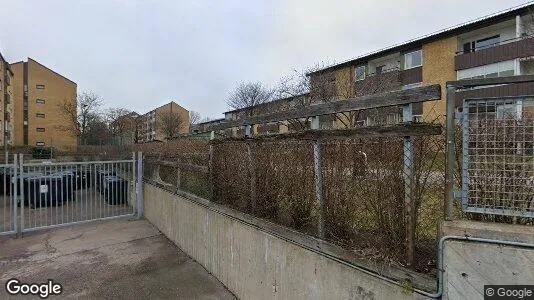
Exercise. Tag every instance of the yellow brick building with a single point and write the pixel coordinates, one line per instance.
(151, 126)
(6, 103)
(38, 94)
(494, 46)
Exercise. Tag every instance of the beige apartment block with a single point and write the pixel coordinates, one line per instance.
(39, 92)
(150, 126)
(6, 103)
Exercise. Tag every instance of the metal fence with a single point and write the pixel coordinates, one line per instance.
(7, 208)
(498, 156)
(41, 194)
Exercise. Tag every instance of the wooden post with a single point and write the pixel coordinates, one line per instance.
(409, 201)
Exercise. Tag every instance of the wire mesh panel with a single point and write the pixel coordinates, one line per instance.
(54, 194)
(497, 157)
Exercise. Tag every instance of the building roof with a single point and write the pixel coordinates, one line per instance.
(265, 104)
(450, 31)
(29, 58)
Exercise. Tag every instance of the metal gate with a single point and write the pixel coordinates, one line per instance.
(8, 210)
(498, 156)
(49, 194)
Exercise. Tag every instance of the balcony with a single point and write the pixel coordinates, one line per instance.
(388, 80)
(502, 51)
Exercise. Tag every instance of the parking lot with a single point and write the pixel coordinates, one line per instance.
(112, 259)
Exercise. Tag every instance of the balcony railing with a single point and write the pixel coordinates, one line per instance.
(497, 52)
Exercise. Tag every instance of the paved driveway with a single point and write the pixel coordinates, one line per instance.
(115, 259)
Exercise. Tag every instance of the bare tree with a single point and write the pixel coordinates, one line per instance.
(121, 123)
(194, 117)
(79, 114)
(323, 85)
(249, 94)
(171, 123)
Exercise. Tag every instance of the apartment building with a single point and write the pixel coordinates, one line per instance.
(498, 45)
(164, 122)
(38, 94)
(6, 103)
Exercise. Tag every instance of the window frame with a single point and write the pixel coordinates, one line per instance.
(411, 52)
(356, 73)
(40, 129)
(40, 144)
(40, 86)
(40, 101)
(40, 115)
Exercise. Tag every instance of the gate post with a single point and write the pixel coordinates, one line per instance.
(14, 196)
(21, 196)
(139, 186)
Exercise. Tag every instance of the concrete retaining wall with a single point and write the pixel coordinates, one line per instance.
(471, 265)
(255, 264)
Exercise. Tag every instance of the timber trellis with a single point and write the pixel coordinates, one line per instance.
(407, 130)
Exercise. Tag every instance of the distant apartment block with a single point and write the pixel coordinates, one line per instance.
(6, 103)
(494, 46)
(498, 45)
(161, 122)
(38, 94)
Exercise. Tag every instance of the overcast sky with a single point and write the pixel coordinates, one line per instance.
(139, 54)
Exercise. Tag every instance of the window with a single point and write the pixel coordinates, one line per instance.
(380, 69)
(487, 42)
(481, 44)
(40, 101)
(413, 59)
(500, 69)
(40, 144)
(40, 129)
(40, 86)
(360, 73)
(40, 115)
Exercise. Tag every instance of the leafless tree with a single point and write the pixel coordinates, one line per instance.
(323, 85)
(194, 117)
(79, 114)
(171, 123)
(249, 94)
(121, 122)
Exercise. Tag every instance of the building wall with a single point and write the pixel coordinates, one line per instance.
(145, 121)
(438, 68)
(6, 102)
(18, 92)
(57, 91)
